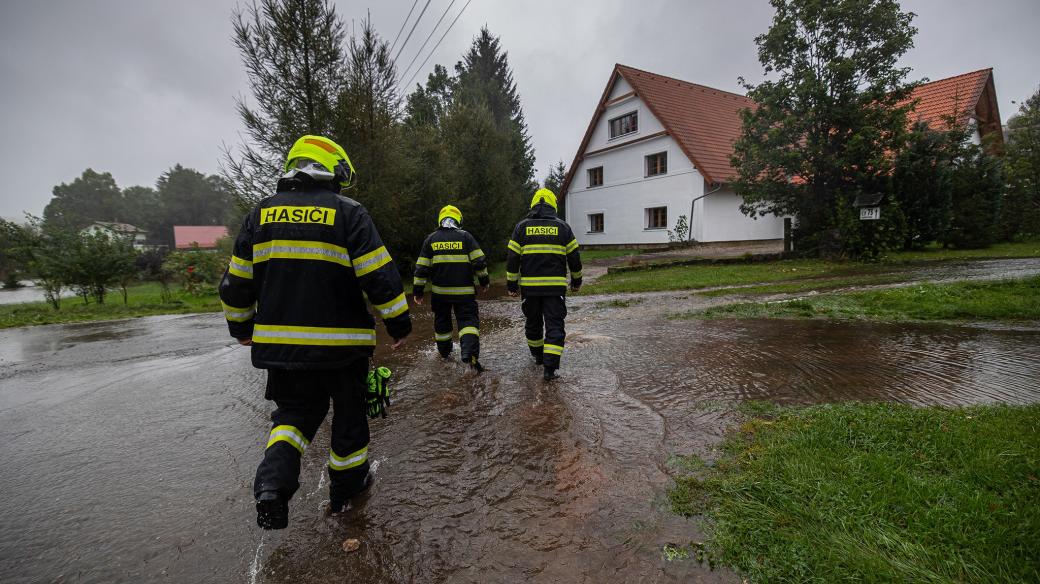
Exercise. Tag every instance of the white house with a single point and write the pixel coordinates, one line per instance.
(136, 235)
(658, 148)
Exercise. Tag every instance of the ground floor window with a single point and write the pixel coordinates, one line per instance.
(596, 223)
(657, 218)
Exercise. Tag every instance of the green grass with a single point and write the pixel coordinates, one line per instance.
(790, 272)
(874, 493)
(709, 276)
(143, 300)
(602, 254)
(1018, 249)
(1007, 300)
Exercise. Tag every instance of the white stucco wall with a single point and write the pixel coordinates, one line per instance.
(723, 220)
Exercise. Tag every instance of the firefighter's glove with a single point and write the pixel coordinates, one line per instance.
(378, 395)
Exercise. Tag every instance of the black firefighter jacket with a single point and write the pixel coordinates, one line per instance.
(303, 264)
(449, 260)
(541, 251)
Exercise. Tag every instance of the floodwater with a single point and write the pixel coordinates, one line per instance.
(129, 447)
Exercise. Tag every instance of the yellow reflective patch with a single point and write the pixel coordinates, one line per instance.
(542, 230)
(442, 245)
(287, 214)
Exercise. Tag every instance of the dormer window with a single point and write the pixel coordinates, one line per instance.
(625, 124)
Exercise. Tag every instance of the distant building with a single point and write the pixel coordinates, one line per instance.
(658, 148)
(111, 229)
(204, 236)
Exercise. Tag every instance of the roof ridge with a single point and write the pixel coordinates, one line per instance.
(990, 69)
(690, 83)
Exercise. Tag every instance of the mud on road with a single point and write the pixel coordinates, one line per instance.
(130, 446)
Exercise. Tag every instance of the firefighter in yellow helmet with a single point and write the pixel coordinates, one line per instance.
(541, 252)
(451, 261)
(303, 264)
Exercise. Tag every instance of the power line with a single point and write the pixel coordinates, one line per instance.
(403, 25)
(427, 5)
(434, 49)
(428, 37)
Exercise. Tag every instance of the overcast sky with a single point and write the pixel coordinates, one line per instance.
(134, 87)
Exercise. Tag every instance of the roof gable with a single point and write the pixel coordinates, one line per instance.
(953, 96)
(703, 121)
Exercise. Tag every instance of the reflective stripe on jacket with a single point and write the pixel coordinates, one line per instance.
(541, 252)
(303, 264)
(449, 261)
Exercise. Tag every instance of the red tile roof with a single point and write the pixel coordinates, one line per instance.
(705, 122)
(205, 236)
(956, 95)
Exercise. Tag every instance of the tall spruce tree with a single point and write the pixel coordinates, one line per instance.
(294, 58)
(368, 127)
(826, 125)
(488, 141)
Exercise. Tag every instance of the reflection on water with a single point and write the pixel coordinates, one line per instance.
(129, 448)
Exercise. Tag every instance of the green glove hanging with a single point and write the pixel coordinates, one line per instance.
(378, 398)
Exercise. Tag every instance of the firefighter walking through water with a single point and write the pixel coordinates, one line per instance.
(541, 251)
(303, 263)
(450, 260)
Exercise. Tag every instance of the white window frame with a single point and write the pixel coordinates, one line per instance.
(603, 215)
(588, 177)
(647, 214)
(618, 117)
(646, 164)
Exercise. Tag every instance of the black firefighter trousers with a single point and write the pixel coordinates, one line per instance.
(547, 311)
(302, 397)
(468, 318)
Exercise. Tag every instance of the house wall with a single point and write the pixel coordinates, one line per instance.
(724, 221)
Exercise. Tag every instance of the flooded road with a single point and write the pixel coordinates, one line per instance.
(129, 447)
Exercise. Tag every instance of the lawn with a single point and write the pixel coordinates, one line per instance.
(1006, 300)
(694, 277)
(872, 493)
(143, 300)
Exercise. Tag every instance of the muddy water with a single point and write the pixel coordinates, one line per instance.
(129, 447)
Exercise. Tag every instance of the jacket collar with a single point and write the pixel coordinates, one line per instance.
(542, 211)
(305, 184)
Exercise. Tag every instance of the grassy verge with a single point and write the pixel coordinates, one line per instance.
(1006, 300)
(812, 284)
(142, 300)
(874, 493)
(796, 274)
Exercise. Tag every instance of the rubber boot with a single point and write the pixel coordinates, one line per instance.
(339, 506)
(272, 511)
(550, 374)
(475, 365)
(538, 359)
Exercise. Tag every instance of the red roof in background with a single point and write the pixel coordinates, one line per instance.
(705, 122)
(953, 95)
(205, 236)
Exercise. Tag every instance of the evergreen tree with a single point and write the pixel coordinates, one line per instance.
(293, 54)
(921, 184)
(93, 196)
(1020, 216)
(976, 191)
(188, 197)
(369, 129)
(825, 127)
(488, 142)
(554, 181)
